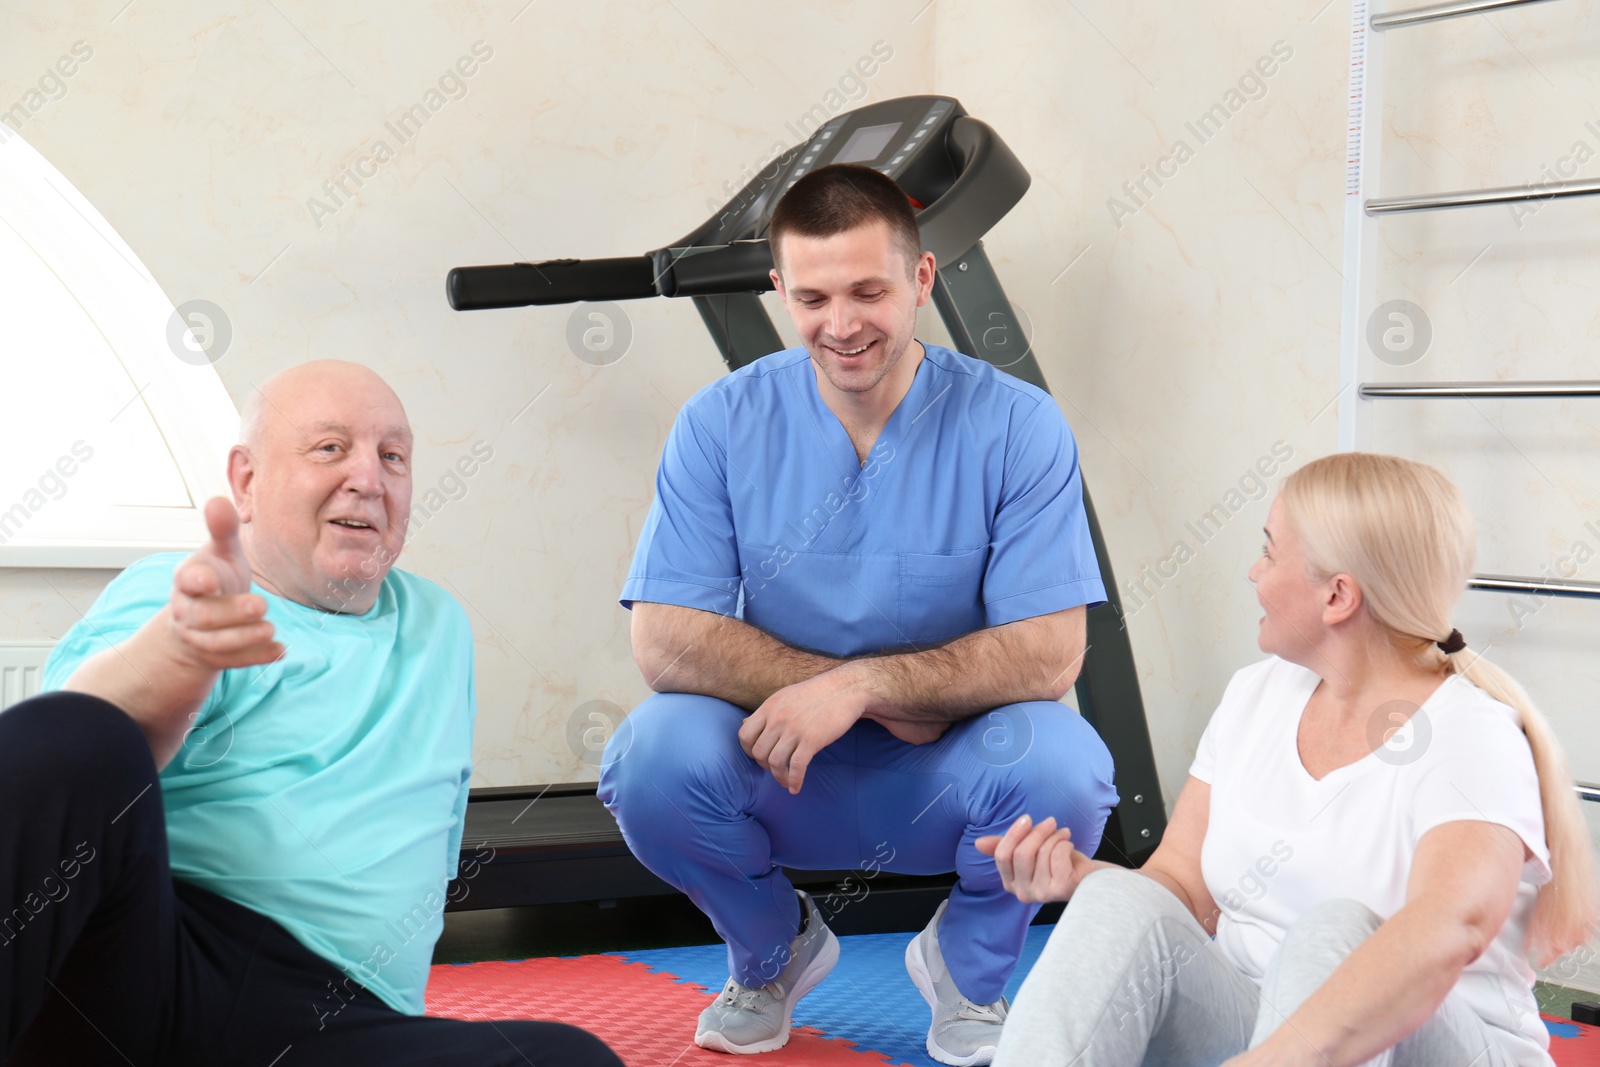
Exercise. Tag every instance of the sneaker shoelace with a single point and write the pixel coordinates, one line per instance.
(751, 1000)
(746, 999)
(981, 1013)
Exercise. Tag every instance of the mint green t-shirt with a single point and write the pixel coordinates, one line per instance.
(328, 790)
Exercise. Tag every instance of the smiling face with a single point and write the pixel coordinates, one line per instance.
(1296, 604)
(853, 297)
(323, 484)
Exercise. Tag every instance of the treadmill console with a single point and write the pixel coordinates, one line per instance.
(887, 137)
(903, 138)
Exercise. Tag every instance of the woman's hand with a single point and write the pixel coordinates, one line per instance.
(1037, 863)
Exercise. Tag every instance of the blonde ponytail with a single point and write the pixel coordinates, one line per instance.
(1564, 914)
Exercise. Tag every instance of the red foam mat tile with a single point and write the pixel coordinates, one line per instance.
(1573, 1044)
(647, 1017)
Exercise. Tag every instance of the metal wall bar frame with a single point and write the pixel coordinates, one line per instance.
(1507, 583)
(1360, 268)
(1465, 390)
(1363, 151)
(1505, 194)
(1414, 16)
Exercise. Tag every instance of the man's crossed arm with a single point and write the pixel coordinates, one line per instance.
(804, 701)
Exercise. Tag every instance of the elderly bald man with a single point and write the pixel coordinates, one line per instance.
(227, 838)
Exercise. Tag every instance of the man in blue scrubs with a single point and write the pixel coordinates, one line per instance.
(228, 839)
(859, 595)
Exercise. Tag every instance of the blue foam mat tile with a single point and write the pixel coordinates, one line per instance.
(868, 999)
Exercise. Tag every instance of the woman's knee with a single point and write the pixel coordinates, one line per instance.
(1312, 949)
(1116, 895)
(1339, 922)
(1127, 923)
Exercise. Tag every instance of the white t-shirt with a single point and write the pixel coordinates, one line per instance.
(1279, 841)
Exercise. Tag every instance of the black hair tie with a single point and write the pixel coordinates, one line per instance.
(1454, 643)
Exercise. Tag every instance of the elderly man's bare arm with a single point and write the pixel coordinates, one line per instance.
(162, 674)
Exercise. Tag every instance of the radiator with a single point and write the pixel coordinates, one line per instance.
(21, 669)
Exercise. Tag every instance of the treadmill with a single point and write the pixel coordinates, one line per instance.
(558, 843)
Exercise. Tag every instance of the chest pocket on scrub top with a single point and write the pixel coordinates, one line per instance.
(941, 595)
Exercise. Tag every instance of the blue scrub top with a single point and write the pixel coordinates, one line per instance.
(967, 513)
(326, 791)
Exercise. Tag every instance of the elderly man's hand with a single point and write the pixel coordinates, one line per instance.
(215, 618)
(798, 721)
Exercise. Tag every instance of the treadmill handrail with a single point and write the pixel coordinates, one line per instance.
(954, 222)
(950, 225)
(556, 281)
(741, 267)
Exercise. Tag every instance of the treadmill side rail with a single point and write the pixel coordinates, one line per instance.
(556, 281)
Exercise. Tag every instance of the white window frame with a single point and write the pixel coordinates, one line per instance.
(190, 406)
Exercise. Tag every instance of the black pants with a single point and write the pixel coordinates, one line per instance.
(106, 959)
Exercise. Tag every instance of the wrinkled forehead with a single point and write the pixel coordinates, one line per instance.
(386, 431)
(310, 410)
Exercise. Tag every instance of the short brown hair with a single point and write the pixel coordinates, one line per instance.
(839, 197)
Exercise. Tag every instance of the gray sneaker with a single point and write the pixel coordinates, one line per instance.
(963, 1034)
(745, 1020)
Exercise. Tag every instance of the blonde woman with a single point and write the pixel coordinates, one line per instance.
(1378, 828)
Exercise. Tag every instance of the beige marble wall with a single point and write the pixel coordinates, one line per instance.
(1181, 269)
(205, 132)
(1182, 274)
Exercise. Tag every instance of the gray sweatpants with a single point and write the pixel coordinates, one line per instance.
(1129, 978)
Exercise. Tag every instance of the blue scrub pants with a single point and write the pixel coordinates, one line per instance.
(709, 820)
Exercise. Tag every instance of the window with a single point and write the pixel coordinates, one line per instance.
(109, 442)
